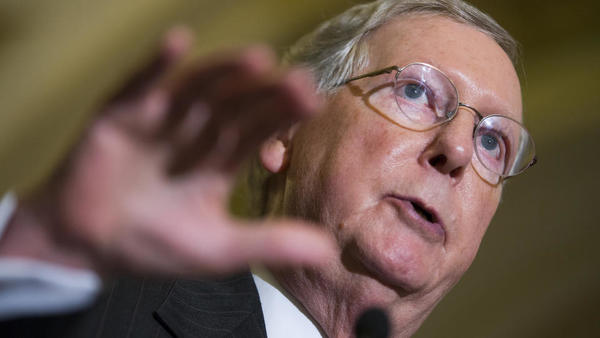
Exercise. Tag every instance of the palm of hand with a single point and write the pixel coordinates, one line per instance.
(146, 189)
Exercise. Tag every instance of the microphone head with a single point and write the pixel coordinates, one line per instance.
(373, 323)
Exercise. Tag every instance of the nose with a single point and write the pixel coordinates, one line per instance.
(451, 150)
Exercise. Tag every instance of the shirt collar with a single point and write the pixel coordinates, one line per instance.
(284, 317)
(33, 287)
(8, 204)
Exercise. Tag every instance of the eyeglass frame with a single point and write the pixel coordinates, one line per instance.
(481, 118)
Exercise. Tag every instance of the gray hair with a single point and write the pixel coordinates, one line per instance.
(338, 48)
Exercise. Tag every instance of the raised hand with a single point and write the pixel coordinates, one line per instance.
(146, 189)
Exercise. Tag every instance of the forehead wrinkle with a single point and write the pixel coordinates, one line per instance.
(485, 87)
(487, 101)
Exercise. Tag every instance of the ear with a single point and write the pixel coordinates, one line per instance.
(275, 152)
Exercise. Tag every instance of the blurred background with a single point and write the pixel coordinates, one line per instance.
(538, 270)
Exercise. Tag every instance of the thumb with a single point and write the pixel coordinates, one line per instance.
(283, 242)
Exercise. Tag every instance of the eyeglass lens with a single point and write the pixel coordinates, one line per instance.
(426, 98)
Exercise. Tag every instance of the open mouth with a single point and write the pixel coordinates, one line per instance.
(420, 215)
(423, 213)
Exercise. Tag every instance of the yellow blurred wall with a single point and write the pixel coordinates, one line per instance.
(537, 273)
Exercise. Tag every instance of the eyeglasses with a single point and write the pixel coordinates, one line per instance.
(425, 98)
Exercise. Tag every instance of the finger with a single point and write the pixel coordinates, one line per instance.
(262, 111)
(241, 122)
(141, 105)
(210, 76)
(182, 250)
(174, 45)
(280, 243)
(273, 243)
(272, 100)
(295, 100)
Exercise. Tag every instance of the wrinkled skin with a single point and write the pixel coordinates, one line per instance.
(350, 167)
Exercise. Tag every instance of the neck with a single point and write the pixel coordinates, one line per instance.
(336, 308)
(325, 306)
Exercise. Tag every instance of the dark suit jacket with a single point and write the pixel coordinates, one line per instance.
(144, 308)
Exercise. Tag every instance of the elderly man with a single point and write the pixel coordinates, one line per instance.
(404, 169)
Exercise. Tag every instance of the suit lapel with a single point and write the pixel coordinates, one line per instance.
(225, 308)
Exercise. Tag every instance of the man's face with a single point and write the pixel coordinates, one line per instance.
(365, 178)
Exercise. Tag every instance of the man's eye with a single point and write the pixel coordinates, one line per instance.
(413, 90)
(489, 142)
(492, 150)
(416, 101)
(413, 93)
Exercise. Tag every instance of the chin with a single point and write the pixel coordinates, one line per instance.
(394, 274)
(392, 253)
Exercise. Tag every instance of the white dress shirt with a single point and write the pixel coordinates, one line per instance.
(30, 287)
(283, 317)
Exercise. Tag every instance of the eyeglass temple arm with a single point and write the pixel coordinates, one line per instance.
(371, 74)
(531, 164)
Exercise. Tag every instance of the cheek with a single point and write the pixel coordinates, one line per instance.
(392, 252)
(372, 151)
(339, 159)
(341, 169)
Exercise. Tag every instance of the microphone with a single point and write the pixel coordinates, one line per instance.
(373, 323)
